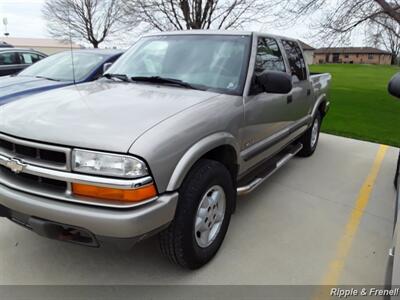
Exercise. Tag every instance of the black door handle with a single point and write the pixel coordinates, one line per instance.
(289, 99)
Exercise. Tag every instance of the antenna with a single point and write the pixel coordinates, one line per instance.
(72, 52)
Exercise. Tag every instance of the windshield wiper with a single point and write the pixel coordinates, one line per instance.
(161, 80)
(48, 78)
(122, 77)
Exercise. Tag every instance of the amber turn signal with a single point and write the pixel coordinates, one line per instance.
(136, 195)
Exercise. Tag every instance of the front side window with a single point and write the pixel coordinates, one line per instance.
(269, 56)
(296, 59)
(25, 58)
(29, 58)
(35, 57)
(59, 66)
(8, 58)
(213, 62)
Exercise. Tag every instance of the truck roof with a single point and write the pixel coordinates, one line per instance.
(217, 32)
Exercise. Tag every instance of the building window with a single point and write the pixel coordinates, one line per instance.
(346, 56)
(335, 57)
(357, 55)
(370, 56)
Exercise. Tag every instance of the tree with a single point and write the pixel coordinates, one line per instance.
(87, 20)
(385, 32)
(199, 14)
(344, 16)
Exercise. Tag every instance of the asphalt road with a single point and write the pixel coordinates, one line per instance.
(304, 225)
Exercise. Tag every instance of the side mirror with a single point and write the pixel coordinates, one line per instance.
(275, 82)
(106, 66)
(394, 86)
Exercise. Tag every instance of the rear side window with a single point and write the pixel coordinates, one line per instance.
(296, 59)
(8, 58)
(269, 56)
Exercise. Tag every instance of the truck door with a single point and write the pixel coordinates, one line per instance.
(265, 114)
(301, 94)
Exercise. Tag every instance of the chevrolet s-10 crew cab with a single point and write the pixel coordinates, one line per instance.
(179, 126)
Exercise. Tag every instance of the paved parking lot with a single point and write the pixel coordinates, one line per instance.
(297, 228)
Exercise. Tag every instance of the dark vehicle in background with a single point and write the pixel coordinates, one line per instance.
(5, 45)
(13, 60)
(393, 270)
(57, 71)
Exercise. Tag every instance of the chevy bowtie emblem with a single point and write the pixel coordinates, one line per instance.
(15, 165)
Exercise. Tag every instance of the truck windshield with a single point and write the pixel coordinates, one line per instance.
(59, 66)
(216, 62)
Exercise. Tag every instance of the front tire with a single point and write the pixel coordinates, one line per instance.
(202, 216)
(310, 138)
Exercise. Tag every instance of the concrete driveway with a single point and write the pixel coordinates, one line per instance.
(297, 228)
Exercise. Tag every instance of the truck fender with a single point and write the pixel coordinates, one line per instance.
(321, 99)
(195, 152)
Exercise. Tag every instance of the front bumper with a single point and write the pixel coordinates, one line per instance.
(104, 222)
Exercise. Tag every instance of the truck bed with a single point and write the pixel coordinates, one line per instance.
(320, 83)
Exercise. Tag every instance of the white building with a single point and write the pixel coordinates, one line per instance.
(308, 53)
(47, 46)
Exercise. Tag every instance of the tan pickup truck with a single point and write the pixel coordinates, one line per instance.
(179, 126)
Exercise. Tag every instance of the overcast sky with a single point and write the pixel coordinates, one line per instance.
(25, 20)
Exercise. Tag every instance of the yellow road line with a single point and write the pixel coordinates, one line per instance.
(344, 244)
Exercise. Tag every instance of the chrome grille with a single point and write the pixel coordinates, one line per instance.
(47, 166)
(41, 155)
(48, 156)
(48, 184)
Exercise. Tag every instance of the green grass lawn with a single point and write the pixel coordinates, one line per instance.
(361, 107)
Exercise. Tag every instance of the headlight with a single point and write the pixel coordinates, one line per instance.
(108, 164)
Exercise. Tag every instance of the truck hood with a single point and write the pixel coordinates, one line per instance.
(101, 115)
(14, 87)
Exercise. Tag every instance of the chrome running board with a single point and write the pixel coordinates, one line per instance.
(243, 190)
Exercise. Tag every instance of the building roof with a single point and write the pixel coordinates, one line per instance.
(32, 43)
(306, 46)
(352, 50)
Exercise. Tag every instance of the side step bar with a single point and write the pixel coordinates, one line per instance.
(246, 189)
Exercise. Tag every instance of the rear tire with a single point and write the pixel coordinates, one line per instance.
(205, 204)
(310, 138)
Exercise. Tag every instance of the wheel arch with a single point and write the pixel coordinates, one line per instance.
(320, 106)
(220, 146)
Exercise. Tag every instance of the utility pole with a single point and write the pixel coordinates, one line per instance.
(5, 23)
